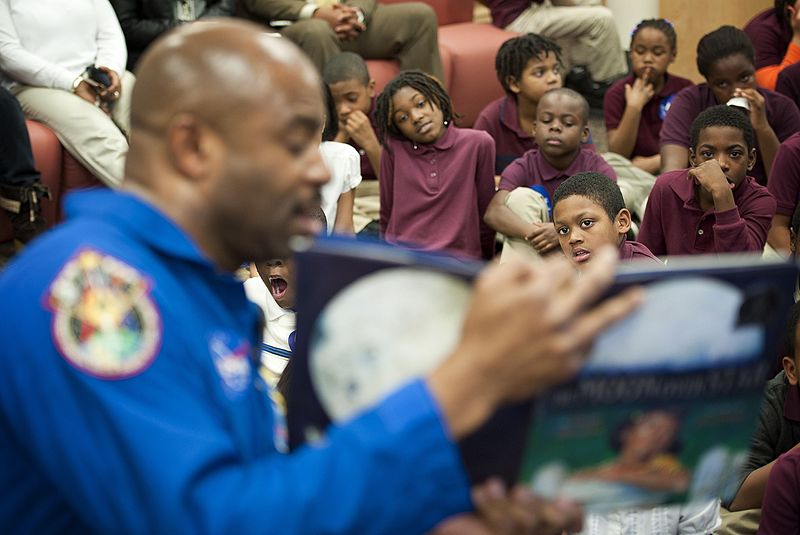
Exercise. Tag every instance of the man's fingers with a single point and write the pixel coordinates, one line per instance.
(587, 288)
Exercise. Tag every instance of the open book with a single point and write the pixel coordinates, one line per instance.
(662, 412)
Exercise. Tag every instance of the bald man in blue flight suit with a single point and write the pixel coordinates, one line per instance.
(128, 398)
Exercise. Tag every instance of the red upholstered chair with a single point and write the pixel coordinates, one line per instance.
(59, 170)
(467, 49)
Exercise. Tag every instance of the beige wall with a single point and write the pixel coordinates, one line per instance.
(695, 18)
(628, 13)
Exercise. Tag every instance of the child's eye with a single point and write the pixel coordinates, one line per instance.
(401, 118)
(639, 50)
(569, 124)
(557, 69)
(538, 73)
(586, 223)
(562, 231)
(736, 154)
(721, 85)
(421, 103)
(746, 79)
(706, 154)
(659, 51)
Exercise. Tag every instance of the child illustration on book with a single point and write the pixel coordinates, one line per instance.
(648, 444)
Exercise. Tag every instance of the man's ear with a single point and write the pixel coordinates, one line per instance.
(751, 161)
(790, 370)
(371, 87)
(512, 84)
(623, 221)
(192, 146)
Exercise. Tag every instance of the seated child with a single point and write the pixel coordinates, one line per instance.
(436, 179)
(527, 66)
(714, 206)
(520, 210)
(725, 57)
(274, 291)
(353, 94)
(343, 162)
(784, 185)
(635, 106)
(588, 213)
(777, 432)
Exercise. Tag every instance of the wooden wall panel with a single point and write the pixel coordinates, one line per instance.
(695, 18)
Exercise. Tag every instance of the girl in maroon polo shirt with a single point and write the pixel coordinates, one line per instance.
(436, 179)
(636, 105)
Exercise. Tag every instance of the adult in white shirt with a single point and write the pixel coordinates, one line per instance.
(46, 47)
(344, 164)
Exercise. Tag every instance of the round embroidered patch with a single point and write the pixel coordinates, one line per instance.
(104, 321)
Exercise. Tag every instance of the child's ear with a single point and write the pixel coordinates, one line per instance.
(585, 134)
(672, 56)
(751, 161)
(371, 88)
(512, 84)
(691, 157)
(623, 221)
(790, 369)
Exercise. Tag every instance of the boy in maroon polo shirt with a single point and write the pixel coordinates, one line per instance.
(775, 33)
(725, 57)
(778, 432)
(713, 207)
(589, 213)
(354, 96)
(527, 66)
(520, 210)
(784, 185)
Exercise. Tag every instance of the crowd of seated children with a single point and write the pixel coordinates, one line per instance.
(45, 55)
(436, 179)
(635, 106)
(726, 59)
(775, 33)
(353, 92)
(344, 165)
(778, 428)
(527, 67)
(589, 213)
(784, 185)
(714, 206)
(521, 208)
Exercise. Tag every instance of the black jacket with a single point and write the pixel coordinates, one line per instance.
(144, 20)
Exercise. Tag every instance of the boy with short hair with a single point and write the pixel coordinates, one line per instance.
(527, 66)
(588, 213)
(353, 94)
(714, 206)
(520, 209)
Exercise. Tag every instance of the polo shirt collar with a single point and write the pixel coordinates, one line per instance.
(509, 116)
(548, 172)
(684, 189)
(137, 218)
(445, 142)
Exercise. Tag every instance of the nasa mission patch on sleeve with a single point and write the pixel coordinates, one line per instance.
(104, 321)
